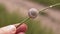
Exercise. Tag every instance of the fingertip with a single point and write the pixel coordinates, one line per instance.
(22, 28)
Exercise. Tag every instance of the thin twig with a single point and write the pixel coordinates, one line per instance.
(23, 22)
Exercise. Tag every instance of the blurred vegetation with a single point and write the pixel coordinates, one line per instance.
(34, 27)
(7, 18)
(43, 13)
(48, 2)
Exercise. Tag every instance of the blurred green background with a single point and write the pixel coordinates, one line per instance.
(34, 27)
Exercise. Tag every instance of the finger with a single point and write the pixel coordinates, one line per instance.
(21, 33)
(11, 29)
(22, 28)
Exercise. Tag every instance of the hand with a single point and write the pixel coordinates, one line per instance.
(11, 29)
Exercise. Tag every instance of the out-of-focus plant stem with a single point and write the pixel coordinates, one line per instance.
(50, 7)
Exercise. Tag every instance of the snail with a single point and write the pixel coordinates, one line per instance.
(32, 13)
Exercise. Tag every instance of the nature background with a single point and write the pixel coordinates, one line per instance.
(15, 11)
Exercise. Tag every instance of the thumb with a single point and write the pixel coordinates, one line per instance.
(11, 29)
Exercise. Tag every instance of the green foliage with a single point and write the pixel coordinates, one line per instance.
(48, 2)
(6, 18)
(34, 27)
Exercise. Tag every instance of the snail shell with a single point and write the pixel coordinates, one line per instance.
(32, 13)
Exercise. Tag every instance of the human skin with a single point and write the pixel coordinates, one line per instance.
(11, 29)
